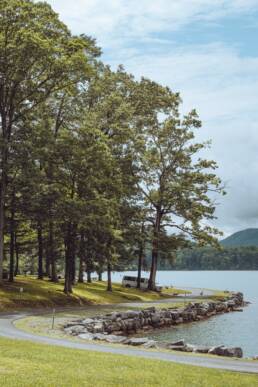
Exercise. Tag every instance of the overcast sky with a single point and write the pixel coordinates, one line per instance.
(208, 51)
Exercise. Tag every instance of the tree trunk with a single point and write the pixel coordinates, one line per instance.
(68, 260)
(6, 124)
(52, 258)
(16, 255)
(154, 261)
(47, 263)
(89, 277)
(2, 194)
(155, 252)
(81, 256)
(40, 252)
(81, 270)
(73, 263)
(100, 276)
(2, 211)
(12, 239)
(140, 259)
(109, 280)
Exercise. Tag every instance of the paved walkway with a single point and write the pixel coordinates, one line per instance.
(8, 330)
(196, 293)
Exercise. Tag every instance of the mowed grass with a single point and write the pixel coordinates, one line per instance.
(37, 293)
(28, 364)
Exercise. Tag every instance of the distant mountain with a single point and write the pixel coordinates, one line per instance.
(248, 237)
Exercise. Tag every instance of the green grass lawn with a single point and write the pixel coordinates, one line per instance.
(27, 364)
(45, 293)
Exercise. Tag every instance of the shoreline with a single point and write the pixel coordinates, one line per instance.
(120, 327)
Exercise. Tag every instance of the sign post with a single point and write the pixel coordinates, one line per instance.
(53, 318)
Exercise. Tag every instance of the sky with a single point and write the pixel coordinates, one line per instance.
(205, 49)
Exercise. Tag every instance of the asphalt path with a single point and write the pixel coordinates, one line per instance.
(9, 330)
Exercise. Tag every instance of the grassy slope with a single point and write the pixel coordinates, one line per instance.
(45, 293)
(27, 364)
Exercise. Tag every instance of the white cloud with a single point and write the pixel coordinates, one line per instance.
(214, 78)
(115, 22)
(223, 86)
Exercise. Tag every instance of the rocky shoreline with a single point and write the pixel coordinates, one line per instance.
(119, 327)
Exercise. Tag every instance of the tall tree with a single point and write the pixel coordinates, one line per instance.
(174, 180)
(38, 56)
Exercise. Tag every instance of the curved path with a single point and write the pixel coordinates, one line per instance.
(196, 294)
(8, 330)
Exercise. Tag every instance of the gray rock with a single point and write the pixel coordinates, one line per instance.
(234, 352)
(179, 342)
(189, 348)
(155, 318)
(98, 327)
(132, 313)
(226, 351)
(135, 341)
(114, 316)
(151, 309)
(75, 329)
(88, 321)
(217, 350)
(231, 303)
(150, 344)
(86, 336)
(99, 336)
(201, 349)
(115, 339)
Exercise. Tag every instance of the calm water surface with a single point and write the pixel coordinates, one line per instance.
(232, 329)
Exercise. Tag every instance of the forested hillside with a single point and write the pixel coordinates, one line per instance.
(248, 237)
(208, 258)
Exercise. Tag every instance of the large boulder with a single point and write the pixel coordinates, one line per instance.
(189, 348)
(178, 343)
(86, 336)
(155, 319)
(201, 349)
(150, 344)
(226, 351)
(136, 341)
(98, 327)
(115, 339)
(87, 321)
(75, 330)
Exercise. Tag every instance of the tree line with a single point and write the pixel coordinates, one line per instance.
(207, 258)
(204, 258)
(94, 163)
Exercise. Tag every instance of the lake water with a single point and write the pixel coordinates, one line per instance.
(231, 329)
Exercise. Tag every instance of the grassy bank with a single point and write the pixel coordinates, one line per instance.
(27, 364)
(42, 324)
(47, 294)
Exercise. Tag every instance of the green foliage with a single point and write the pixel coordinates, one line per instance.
(95, 165)
(207, 258)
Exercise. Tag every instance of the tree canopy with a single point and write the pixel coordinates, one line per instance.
(95, 164)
